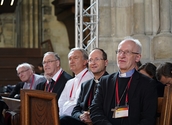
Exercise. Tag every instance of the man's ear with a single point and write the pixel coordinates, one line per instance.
(138, 57)
(85, 62)
(106, 62)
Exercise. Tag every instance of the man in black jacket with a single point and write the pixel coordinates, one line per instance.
(126, 97)
(80, 115)
(56, 76)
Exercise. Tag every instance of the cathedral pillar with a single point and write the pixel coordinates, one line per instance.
(124, 18)
(24, 24)
(28, 28)
(142, 25)
(165, 15)
(162, 43)
(139, 18)
(35, 24)
(148, 17)
(155, 16)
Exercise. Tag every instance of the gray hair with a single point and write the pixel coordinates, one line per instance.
(84, 52)
(25, 65)
(56, 56)
(136, 41)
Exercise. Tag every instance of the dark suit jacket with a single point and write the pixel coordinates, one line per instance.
(59, 86)
(142, 100)
(16, 90)
(82, 102)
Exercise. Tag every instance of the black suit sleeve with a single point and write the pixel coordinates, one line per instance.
(16, 90)
(41, 86)
(97, 114)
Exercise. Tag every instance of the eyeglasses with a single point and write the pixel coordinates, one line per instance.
(94, 60)
(127, 52)
(47, 62)
(22, 72)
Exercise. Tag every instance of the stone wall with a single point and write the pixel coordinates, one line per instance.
(7, 30)
(28, 37)
(147, 20)
(56, 32)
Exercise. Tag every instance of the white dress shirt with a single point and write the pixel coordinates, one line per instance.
(70, 93)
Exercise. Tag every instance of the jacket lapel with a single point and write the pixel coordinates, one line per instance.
(111, 90)
(133, 85)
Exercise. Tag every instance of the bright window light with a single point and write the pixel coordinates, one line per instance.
(12, 2)
(2, 1)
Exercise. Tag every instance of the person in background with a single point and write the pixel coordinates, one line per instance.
(126, 97)
(80, 115)
(29, 80)
(56, 76)
(40, 69)
(78, 61)
(149, 70)
(164, 73)
(138, 65)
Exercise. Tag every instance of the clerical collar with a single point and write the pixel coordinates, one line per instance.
(127, 74)
(96, 81)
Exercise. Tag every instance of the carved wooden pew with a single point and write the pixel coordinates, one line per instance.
(165, 107)
(38, 107)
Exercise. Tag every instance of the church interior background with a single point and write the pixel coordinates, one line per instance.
(34, 22)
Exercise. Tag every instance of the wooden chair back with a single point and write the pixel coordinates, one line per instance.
(38, 108)
(165, 107)
(159, 109)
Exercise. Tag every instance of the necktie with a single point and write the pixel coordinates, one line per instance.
(51, 84)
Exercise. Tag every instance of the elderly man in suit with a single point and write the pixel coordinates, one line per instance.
(56, 76)
(29, 80)
(126, 97)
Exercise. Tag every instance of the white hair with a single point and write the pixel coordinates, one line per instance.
(136, 41)
(25, 65)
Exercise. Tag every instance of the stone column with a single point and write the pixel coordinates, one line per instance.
(148, 17)
(141, 19)
(24, 24)
(124, 18)
(155, 15)
(30, 19)
(29, 25)
(138, 10)
(165, 15)
(162, 43)
(35, 23)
